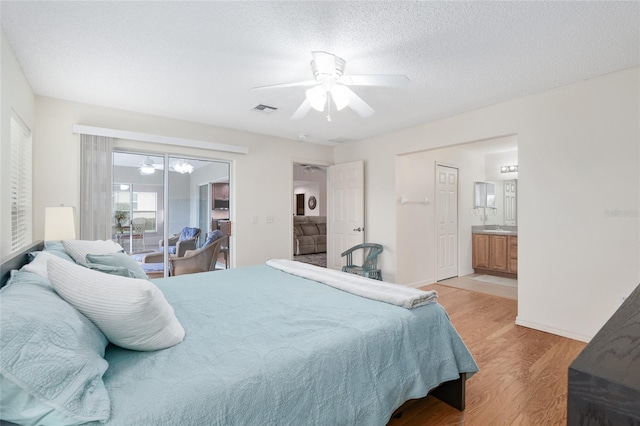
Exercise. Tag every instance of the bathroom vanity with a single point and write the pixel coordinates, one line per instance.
(495, 250)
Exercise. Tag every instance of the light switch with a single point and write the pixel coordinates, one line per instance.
(254, 219)
(268, 219)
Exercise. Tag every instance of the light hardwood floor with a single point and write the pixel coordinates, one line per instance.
(523, 372)
(467, 282)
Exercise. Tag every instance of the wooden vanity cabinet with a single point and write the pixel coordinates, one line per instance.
(495, 254)
(513, 254)
(480, 251)
(498, 253)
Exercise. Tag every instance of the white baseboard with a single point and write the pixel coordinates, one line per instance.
(553, 330)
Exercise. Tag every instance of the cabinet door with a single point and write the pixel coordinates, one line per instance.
(513, 254)
(498, 258)
(480, 251)
(221, 191)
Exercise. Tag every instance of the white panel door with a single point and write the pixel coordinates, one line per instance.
(346, 211)
(447, 222)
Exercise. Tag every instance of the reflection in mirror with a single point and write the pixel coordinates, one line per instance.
(510, 204)
(491, 194)
(480, 200)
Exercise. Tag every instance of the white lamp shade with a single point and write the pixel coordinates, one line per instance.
(340, 97)
(317, 97)
(59, 223)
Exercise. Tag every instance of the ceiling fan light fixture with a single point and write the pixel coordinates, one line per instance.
(317, 97)
(147, 168)
(183, 167)
(340, 96)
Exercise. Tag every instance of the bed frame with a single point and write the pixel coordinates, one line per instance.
(452, 392)
(16, 261)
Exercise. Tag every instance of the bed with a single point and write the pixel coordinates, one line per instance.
(264, 347)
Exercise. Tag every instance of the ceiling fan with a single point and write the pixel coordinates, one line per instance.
(310, 168)
(330, 83)
(148, 167)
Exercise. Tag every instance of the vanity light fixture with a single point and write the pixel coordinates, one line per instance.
(509, 169)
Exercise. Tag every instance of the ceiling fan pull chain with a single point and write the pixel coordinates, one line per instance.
(328, 106)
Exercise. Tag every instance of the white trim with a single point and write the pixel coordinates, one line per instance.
(166, 140)
(553, 330)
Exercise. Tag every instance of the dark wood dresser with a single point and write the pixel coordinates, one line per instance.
(604, 380)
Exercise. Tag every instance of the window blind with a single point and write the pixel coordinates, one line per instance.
(21, 185)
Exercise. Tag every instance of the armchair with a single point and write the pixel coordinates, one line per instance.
(201, 260)
(196, 260)
(369, 267)
(180, 243)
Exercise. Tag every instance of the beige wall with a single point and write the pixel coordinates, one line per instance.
(16, 95)
(579, 195)
(261, 180)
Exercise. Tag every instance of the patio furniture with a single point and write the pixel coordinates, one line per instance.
(369, 267)
(179, 243)
(193, 261)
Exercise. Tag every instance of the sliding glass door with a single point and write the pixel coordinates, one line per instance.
(162, 201)
(138, 197)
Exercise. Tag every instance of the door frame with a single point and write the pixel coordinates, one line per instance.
(435, 224)
(292, 197)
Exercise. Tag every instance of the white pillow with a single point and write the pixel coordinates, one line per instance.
(79, 249)
(131, 312)
(39, 264)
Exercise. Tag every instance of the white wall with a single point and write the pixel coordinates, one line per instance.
(416, 223)
(16, 95)
(579, 195)
(57, 160)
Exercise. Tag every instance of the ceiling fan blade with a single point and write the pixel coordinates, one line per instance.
(358, 105)
(325, 62)
(302, 110)
(389, 80)
(279, 86)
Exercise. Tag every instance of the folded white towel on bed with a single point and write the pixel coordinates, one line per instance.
(406, 297)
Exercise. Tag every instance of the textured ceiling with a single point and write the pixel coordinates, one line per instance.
(196, 61)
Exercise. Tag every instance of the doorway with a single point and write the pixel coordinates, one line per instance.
(309, 211)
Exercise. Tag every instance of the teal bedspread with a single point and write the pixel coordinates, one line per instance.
(266, 348)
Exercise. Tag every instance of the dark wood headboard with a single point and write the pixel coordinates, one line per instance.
(16, 261)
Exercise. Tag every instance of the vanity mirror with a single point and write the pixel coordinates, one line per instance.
(496, 202)
(485, 195)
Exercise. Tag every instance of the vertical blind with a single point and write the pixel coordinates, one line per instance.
(95, 187)
(21, 185)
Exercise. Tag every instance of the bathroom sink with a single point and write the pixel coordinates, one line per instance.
(498, 231)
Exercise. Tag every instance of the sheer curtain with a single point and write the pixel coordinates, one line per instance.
(95, 187)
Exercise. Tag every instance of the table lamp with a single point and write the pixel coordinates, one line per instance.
(59, 223)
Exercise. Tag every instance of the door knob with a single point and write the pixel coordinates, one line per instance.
(359, 229)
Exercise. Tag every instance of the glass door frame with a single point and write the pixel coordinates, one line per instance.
(165, 183)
